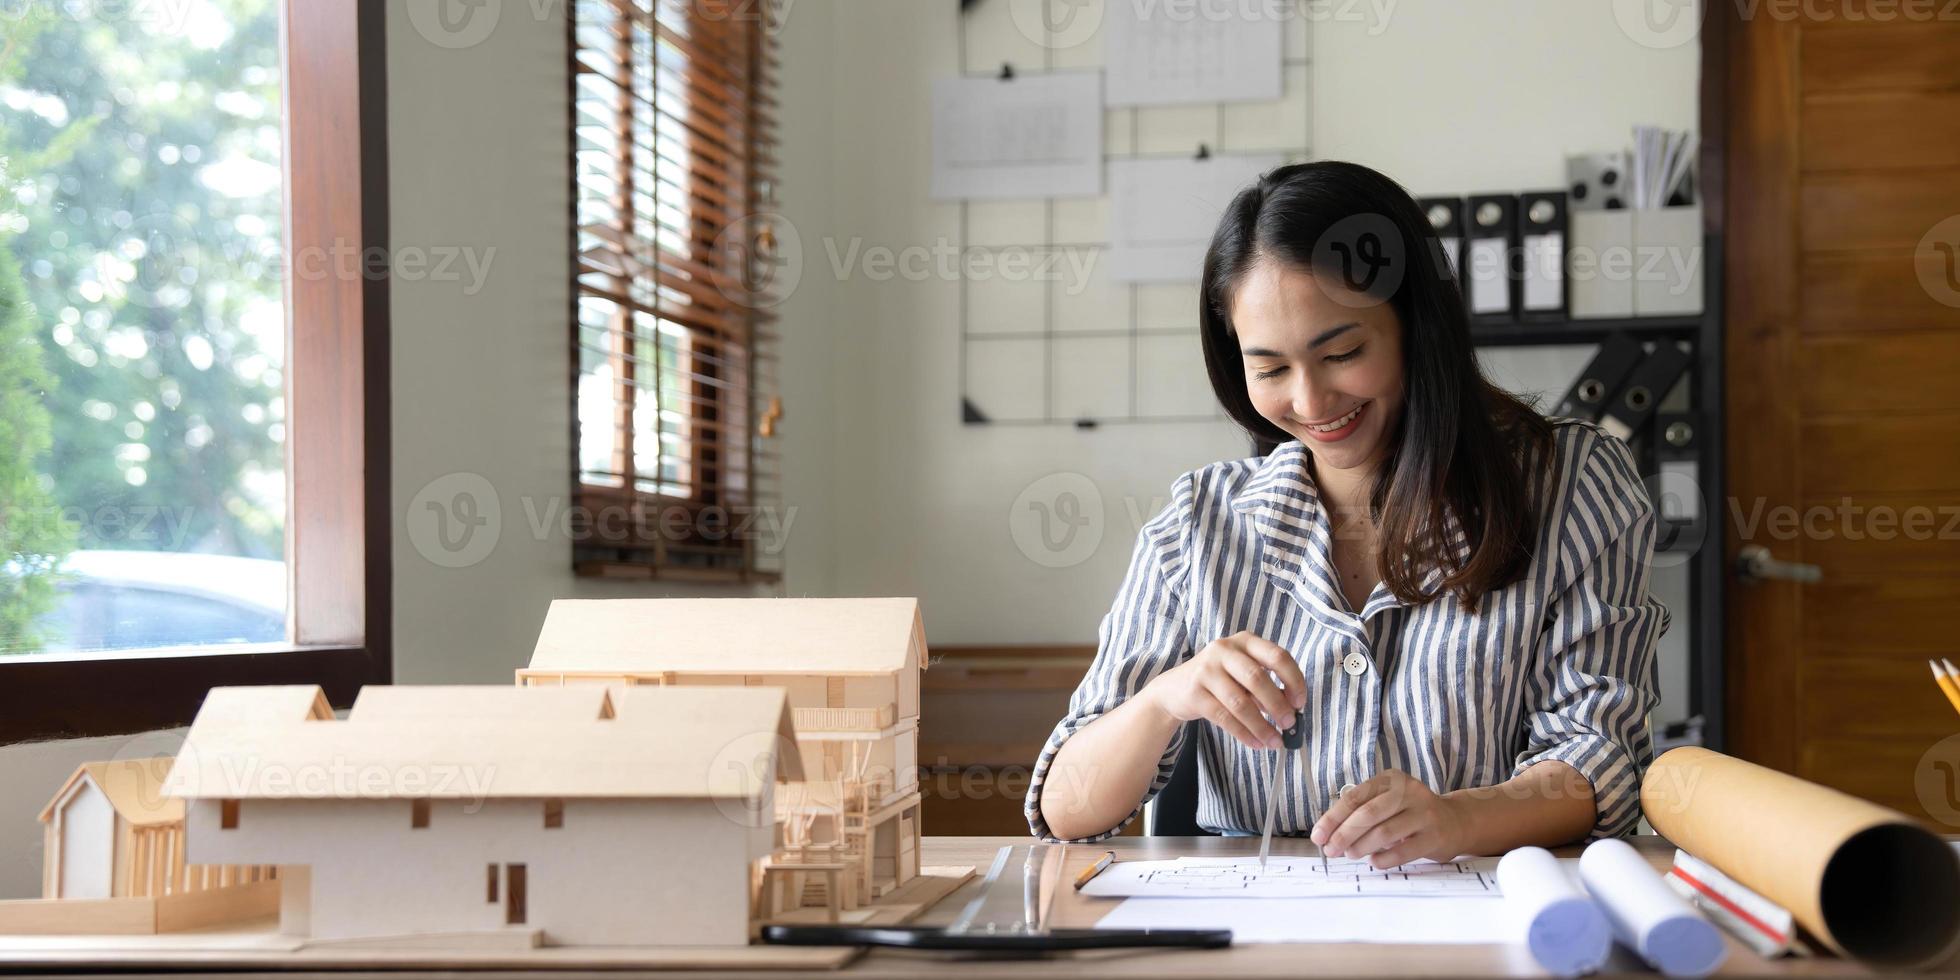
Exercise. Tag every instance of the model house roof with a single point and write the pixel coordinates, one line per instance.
(134, 787)
(493, 743)
(731, 636)
(392, 703)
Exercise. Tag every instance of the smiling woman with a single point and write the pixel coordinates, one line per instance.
(1448, 590)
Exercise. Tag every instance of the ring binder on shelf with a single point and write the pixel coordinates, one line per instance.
(1489, 262)
(1602, 378)
(1633, 407)
(1445, 215)
(1542, 220)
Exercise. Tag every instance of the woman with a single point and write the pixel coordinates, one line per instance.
(1448, 588)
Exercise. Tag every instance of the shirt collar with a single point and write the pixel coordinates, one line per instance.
(1284, 505)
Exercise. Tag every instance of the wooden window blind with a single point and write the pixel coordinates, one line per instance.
(673, 336)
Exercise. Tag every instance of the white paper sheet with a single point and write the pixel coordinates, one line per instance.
(1027, 137)
(1292, 877)
(1163, 212)
(1177, 53)
(1320, 920)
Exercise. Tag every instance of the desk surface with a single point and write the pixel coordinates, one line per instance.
(1319, 959)
(1068, 910)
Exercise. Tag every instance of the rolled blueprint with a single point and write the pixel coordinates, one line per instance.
(1867, 881)
(1647, 916)
(1564, 930)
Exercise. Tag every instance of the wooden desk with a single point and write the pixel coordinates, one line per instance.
(1319, 959)
(1069, 910)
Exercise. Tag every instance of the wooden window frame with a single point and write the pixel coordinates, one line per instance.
(622, 531)
(337, 472)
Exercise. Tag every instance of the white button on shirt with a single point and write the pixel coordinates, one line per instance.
(1558, 665)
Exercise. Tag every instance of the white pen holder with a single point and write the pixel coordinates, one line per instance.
(1599, 264)
(1667, 261)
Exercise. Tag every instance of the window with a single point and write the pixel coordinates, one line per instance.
(554, 814)
(418, 814)
(227, 814)
(166, 163)
(678, 262)
(491, 889)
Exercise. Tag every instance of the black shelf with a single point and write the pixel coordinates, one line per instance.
(1706, 619)
(1535, 333)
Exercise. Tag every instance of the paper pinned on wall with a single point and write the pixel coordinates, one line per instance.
(1163, 211)
(1293, 877)
(1028, 136)
(1180, 53)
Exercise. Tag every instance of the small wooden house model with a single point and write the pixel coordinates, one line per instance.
(115, 862)
(851, 670)
(579, 815)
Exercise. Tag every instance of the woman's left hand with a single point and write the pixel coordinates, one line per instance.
(1392, 819)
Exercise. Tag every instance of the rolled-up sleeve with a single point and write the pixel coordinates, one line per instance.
(1594, 678)
(1142, 636)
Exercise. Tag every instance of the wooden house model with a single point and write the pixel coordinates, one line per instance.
(851, 670)
(115, 862)
(579, 816)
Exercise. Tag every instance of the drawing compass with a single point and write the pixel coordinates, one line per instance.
(1290, 740)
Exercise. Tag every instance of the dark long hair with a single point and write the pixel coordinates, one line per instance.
(1463, 446)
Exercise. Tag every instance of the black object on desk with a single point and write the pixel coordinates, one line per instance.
(1053, 940)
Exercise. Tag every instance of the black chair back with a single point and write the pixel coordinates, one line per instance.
(1175, 808)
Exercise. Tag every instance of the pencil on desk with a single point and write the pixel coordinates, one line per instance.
(1089, 873)
(1949, 685)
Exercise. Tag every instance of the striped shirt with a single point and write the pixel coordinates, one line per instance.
(1559, 665)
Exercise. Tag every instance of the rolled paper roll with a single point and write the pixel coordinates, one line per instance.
(1647, 916)
(1868, 882)
(1563, 928)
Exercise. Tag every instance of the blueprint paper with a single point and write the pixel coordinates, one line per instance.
(1293, 877)
(1163, 212)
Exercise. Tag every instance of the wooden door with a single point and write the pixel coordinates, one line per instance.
(1843, 354)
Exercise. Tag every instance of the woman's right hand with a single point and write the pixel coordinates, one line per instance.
(1230, 684)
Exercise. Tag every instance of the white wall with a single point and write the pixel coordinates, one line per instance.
(477, 151)
(892, 494)
(1445, 96)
